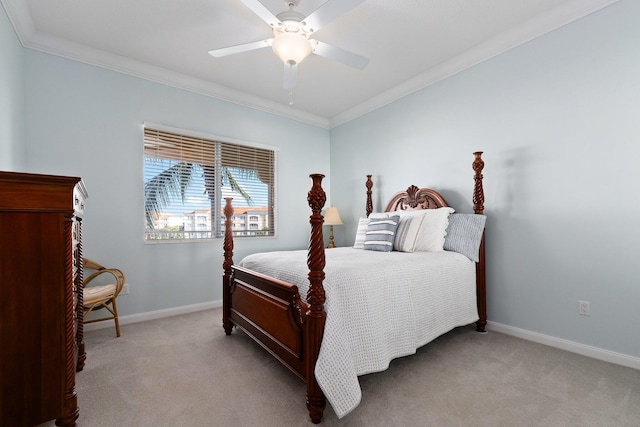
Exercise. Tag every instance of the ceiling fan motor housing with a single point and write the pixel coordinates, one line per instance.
(291, 22)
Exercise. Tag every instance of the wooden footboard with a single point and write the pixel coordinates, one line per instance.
(272, 311)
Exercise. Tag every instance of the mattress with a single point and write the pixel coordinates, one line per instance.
(380, 306)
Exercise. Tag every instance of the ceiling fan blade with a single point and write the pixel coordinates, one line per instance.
(240, 48)
(264, 13)
(328, 12)
(290, 75)
(340, 55)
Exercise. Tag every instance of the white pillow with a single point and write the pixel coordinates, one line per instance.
(433, 230)
(407, 232)
(419, 230)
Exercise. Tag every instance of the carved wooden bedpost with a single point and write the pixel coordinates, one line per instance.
(316, 315)
(478, 208)
(226, 267)
(369, 185)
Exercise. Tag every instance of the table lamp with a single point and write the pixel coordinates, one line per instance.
(331, 218)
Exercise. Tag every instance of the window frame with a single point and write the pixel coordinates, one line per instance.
(217, 216)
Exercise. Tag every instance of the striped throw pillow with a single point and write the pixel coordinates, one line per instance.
(407, 233)
(361, 233)
(381, 233)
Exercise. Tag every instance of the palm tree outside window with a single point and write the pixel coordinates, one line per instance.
(187, 177)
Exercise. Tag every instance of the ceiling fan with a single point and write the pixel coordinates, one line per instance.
(292, 33)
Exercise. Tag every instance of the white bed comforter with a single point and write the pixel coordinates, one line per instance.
(380, 306)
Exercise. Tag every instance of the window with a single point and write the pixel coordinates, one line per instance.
(187, 178)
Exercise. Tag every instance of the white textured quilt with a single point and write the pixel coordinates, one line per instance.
(380, 306)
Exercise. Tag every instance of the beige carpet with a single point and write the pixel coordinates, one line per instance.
(183, 371)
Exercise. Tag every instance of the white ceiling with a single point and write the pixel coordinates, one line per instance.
(410, 44)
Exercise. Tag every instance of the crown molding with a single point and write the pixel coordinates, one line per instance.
(20, 18)
(120, 64)
(540, 25)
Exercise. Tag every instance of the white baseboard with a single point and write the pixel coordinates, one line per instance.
(572, 346)
(157, 314)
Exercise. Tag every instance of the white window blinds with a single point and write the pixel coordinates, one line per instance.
(187, 178)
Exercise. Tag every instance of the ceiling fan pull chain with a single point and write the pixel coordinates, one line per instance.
(290, 96)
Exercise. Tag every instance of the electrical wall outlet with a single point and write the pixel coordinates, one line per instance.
(584, 308)
(125, 289)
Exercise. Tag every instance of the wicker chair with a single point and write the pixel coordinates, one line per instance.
(99, 296)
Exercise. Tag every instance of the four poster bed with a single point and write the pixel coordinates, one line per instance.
(353, 324)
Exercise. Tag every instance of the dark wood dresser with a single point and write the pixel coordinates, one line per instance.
(41, 340)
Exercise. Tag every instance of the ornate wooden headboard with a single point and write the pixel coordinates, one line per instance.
(415, 198)
(426, 198)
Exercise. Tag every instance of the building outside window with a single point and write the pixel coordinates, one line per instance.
(187, 178)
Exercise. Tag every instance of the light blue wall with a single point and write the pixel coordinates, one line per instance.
(12, 155)
(558, 119)
(87, 121)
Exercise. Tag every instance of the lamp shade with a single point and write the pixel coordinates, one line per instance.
(332, 217)
(291, 47)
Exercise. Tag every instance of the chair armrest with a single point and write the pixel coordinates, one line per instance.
(91, 264)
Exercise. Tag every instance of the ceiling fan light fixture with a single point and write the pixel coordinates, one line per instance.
(292, 48)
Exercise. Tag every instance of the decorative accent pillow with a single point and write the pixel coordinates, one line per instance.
(433, 230)
(464, 234)
(407, 232)
(361, 232)
(381, 233)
